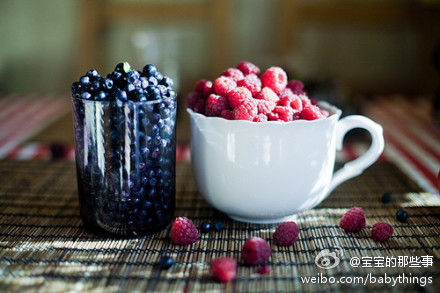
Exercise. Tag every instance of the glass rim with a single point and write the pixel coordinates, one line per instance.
(124, 102)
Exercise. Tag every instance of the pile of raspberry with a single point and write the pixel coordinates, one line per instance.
(243, 93)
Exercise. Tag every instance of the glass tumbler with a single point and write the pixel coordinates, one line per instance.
(125, 160)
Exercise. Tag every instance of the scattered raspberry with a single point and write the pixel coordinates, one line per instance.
(260, 118)
(252, 83)
(234, 74)
(311, 112)
(275, 78)
(286, 234)
(353, 220)
(239, 96)
(296, 86)
(199, 107)
(193, 98)
(284, 113)
(265, 107)
(224, 269)
(255, 251)
(263, 270)
(246, 111)
(248, 68)
(223, 85)
(267, 94)
(200, 85)
(183, 231)
(381, 231)
(227, 114)
(214, 105)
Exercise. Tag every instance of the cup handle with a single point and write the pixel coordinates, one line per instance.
(357, 166)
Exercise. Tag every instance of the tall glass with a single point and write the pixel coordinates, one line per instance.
(125, 159)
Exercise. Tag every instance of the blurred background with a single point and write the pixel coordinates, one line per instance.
(346, 51)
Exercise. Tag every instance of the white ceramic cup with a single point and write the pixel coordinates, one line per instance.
(266, 172)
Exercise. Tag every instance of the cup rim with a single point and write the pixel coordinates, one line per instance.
(124, 102)
(336, 112)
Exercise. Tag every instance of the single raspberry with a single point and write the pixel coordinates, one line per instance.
(260, 118)
(246, 111)
(183, 231)
(296, 86)
(267, 94)
(199, 107)
(288, 98)
(234, 74)
(353, 220)
(284, 113)
(275, 78)
(265, 107)
(286, 234)
(311, 112)
(238, 96)
(248, 68)
(272, 116)
(381, 231)
(224, 269)
(263, 270)
(200, 85)
(214, 105)
(223, 85)
(208, 89)
(193, 98)
(227, 114)
(255, 251)
(252, 83)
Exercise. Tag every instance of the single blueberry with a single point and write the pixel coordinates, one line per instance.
(218, 226)
(158, 75)
(76, 87)
(107, 84)
(84, 80)
(152, 81)
(101, 95)
(402, 216)
(92, 73)
(115, 75)
(133, 75)
(165, 262)
(121, 95)
(155, 153)
(163, 90)
(153, 181)
(144, 82)
(86, 95)
(386, 197)
(171, 94)
(205, 227)
(95, 86)
(153, 93)
(130, 87)
(149, 70)
(166, 81)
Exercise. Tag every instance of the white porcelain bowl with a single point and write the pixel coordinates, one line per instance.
(265, 172)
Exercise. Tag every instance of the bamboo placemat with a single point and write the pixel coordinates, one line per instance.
(43, 246)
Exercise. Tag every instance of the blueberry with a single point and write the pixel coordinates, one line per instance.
(122, 67)
(166, 81)
(171, 94)
(144, 82)
(84, 80)
(152, 81)
(76, 87)
(115, 75)
(149, 70)
(218, 226)
(92, 73)
(153, 93)
(130, 87)
(95, 86)
(121, 95)
(163, 90)
(101, 95)
(107, 84)
(158, 75)
(133, 75)
(386, 197)
(86, 95)
(402, 216)
(205, 227)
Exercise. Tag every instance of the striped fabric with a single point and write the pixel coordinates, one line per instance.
(23, 116)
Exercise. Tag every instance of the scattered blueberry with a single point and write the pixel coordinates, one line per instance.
(218, 226)
(205, 227)
(386, 197)
(402, 216)
(166, 262)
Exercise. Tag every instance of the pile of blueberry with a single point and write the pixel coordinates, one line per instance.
(124, 84)
(125, 149)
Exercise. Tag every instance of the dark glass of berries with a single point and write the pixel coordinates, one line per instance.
(125, 152)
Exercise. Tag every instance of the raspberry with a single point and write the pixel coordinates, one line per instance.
(272, 116)
(248, 68)
(224, 269)
(267, 94)
(246, 111)
(227, 114)
(260, 118)
(288, 98)
(183, 231)
(252, 83)
(284, 113)
(223, 85)
(381, 231)
(238, 96)
(207, 89)
(214, 105)
(193, 98)
(275, 78)
(255, 251)
(286, 234)
(263, 270)
(265, 107)
(199, 107)
(353, 220)
(311, 112)
(296, 86)
(234, 74)
(200, 85)
(305, 100)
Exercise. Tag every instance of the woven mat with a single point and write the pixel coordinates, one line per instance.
(43, 246)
